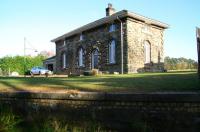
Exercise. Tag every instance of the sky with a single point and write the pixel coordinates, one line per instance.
(40, 21)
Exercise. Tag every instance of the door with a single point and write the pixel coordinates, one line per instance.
(50, 67)
(95, 59)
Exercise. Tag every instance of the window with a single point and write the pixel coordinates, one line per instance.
(147, 52)
(112, 28)
(64, 60)
(80, 59)
(112, 52)
(64, 43)
(81, 37)
(95, 54)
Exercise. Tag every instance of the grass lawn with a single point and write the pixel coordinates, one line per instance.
(142, 82)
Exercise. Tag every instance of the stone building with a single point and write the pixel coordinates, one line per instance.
(120, 42)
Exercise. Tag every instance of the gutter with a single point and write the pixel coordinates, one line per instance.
(122, 44)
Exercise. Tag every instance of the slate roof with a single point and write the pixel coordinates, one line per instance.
(107, 19)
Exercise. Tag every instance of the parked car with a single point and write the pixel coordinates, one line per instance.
(40, 71)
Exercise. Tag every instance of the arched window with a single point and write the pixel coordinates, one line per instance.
(112, 46)
(64, 60)
(80, 57)
(95, 54)
(147, 52)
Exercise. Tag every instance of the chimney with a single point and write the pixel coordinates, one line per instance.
(110, 10)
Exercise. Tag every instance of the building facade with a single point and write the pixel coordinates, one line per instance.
(120, 42)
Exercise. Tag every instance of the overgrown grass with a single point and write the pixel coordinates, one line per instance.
(8, 120)
(143, 82)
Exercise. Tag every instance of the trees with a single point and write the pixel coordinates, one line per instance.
(16, 63)
(179, 63)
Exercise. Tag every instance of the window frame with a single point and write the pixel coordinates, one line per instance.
(95, 55)
(64, 43)
(81, 37)
(80, 57)
(112, 27)
(147, 52)
(64, 60)
(112, 52)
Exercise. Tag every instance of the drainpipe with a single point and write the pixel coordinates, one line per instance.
(122, 50)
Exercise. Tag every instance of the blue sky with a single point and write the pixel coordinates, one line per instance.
(43, 20)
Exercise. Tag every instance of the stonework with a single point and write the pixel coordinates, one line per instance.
(98, 38)
(167, 111)
(135, 33)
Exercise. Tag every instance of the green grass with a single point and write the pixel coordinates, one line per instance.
(143, 82)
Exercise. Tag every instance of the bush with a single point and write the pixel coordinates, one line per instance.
(28, 72)
(92, 72)
(16, 63)
(95, 72)
(1, 72)
(164, 70)
(87, 73)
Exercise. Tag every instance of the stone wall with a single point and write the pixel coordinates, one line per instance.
(137, 33)
(99, 38)
(162, 111)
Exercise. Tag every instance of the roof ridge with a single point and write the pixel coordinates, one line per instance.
(106, 19)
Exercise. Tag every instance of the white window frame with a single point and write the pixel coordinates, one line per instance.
(80, 58)
(112, 52)
(64, 60)
(112, 28)
(94, 53)
(81, 37)
(64, 43)
(147, 52)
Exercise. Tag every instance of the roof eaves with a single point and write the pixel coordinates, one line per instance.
(93, 24)
(148, 20)
(107, 19)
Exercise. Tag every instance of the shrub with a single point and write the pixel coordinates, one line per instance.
(92, 72)
(87, 73)
(95, 72)
(1, 72)
(28, 72)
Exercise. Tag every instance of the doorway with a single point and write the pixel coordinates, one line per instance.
(50, 67)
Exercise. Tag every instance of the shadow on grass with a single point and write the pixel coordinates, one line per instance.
(147, 82)
(134, 120)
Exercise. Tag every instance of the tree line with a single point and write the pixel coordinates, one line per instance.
(19, 64)
(179, 63)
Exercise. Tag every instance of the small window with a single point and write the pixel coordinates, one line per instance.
(112, 28)
(80, 59)
(112, 46)
(64, 43)
(147, 52)
(81, 37)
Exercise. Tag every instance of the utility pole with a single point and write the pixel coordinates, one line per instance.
(24, 56)
(198, 49)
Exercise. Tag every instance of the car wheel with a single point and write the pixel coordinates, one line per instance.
(39, 72)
